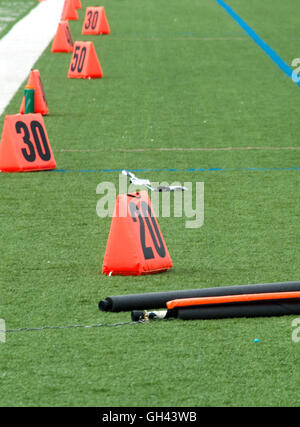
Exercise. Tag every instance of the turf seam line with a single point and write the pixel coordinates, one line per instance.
(96, 325)
(181, 39)
(74, 150)
(255, 37)
(254, 169)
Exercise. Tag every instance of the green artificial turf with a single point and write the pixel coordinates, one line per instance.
(11, 11)
(178, 76)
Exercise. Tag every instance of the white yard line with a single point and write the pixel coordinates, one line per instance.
(21, 47)
(132, 150)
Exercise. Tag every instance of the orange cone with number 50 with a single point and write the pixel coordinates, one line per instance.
(84, 62)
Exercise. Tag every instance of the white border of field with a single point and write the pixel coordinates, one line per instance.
(22, 46)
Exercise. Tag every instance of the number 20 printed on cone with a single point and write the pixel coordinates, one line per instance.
(135, 243)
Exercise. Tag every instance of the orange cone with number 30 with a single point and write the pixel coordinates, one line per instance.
(24, 145)
(135, 244)
(95, 21)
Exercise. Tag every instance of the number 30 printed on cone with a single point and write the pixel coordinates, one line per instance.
(35, 141)
(95, 21)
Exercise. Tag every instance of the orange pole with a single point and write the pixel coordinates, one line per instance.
(227, 299)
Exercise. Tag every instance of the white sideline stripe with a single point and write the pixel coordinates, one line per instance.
(22, 46)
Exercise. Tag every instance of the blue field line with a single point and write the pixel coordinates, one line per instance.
(266, 169)
(255, 37)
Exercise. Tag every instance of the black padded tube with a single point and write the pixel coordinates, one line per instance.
(159, 299)
(219, 311)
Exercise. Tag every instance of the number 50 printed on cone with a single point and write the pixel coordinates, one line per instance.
(135, 244)
(84, 62)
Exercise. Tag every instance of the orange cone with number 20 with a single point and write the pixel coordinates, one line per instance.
(135, 244)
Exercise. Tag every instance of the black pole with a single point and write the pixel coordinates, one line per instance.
(159, 299)
(218, 311)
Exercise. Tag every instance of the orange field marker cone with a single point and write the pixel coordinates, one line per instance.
(63, 41)
(135, 244)
(40, 102)
(95, 21)
(69, 12)
(77, 4)
(24, 144)
(84, 62)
